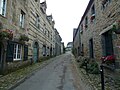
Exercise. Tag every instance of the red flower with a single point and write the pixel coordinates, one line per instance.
(110, 58)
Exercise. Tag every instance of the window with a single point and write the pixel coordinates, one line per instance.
(93, 10)
(81, 28)
(92, 13)
(3, 7)
(91, 51)
(22, 19)
(17, 52)
(86, 22)
(105, 3)
(48, 34)
(82, 50)
(37, 21)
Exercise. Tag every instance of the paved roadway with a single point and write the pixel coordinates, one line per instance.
(61, 74)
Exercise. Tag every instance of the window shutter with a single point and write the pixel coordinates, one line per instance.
(10, 51)
(25, 52)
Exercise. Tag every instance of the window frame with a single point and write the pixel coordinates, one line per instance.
(22, 19)
(17, 51)
(3, 5)
(37, 21)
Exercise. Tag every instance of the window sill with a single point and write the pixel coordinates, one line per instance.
(3, 16)
(17, 59)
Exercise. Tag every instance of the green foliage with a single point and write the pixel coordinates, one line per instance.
(6, 34)
(92, 66)
(24, 38)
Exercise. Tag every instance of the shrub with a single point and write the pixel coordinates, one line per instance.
(92, 66)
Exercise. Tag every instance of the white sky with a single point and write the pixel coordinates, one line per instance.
(67, 15)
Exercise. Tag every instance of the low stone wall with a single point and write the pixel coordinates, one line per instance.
(13, 66)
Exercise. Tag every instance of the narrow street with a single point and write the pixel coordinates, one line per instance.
(58, 75)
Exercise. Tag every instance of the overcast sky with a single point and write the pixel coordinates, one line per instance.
(67, 15)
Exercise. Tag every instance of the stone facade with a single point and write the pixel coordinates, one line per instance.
(41, 30)
(27, 33)
(11, 31)
(96, 29)
(58, 40)
(76, 41)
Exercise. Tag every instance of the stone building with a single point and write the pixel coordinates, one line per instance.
(76, 41)
(41, 30)
(99, 29)
(58, 40)
(13, 29)
(69, 46)
(27, 33)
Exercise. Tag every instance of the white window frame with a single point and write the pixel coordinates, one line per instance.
(17, 51)
(22, 19)
(3, 4)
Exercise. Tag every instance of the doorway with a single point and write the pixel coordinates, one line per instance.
(107, 44)
(1, 57)
(35, 52)
(91, 50)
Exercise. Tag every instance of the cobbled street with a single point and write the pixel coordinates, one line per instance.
(61, 74)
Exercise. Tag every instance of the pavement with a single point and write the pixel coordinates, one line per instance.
(59, 73)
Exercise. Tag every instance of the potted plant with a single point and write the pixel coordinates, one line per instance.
(6, 34)
(23, 38)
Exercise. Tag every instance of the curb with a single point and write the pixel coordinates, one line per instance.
(20, 81)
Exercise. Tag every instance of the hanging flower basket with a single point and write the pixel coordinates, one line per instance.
(6, 34)
(23, 38)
